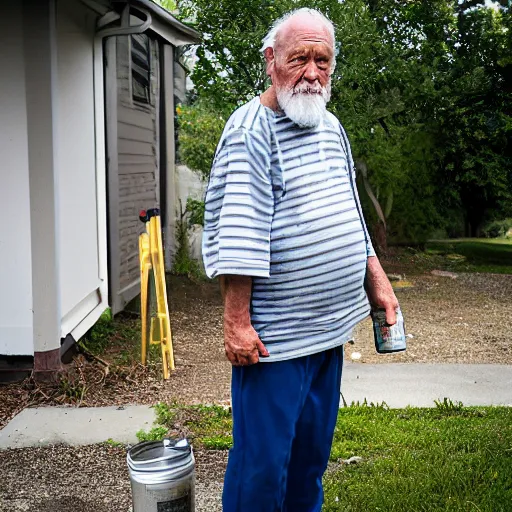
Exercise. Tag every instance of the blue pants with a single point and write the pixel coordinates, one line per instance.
(284, 414)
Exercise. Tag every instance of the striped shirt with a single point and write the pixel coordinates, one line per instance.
(282, 207)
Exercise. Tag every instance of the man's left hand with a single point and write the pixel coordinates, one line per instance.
(379, 289)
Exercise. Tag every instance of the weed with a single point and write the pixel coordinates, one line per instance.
(183, 264)
(372, 405)
(448, 406)
(154, 434)
(164, 414)
(114, 444)
(73, 389)
(217, 442)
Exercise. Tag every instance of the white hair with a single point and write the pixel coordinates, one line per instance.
(270, 39)
(306, 104)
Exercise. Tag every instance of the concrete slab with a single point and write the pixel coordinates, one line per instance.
(418, 385)
(42, 426)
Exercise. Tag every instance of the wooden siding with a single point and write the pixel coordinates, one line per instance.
(138, 166)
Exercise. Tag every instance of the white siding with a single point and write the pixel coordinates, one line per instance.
(78, 222)
(16, 336)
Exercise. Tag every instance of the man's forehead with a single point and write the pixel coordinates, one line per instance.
(303, 28)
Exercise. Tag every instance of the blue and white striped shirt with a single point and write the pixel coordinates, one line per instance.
(282, 207)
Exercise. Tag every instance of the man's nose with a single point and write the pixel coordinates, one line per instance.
(311, 73)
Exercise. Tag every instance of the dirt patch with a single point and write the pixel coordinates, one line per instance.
(462, 320)
(88, 479)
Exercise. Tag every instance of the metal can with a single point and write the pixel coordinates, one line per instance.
(162, 476)
(388, 338)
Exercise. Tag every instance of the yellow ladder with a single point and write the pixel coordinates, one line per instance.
(152, 262)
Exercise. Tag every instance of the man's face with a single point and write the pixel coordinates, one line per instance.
(300, 68)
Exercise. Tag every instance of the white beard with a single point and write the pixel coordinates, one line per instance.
(305, 104)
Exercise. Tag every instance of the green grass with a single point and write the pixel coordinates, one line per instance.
(478, 255)
(118, 340)
(448, 458)
(206, 426)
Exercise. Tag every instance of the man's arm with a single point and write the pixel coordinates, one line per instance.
(379, 289)
(242, 343)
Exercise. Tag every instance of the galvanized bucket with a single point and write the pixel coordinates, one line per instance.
(162, 476)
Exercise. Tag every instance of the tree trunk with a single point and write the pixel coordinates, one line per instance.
(380, 238)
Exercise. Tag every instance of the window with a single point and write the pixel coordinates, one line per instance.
(141, 68)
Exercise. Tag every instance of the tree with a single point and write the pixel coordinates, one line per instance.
(413, 86)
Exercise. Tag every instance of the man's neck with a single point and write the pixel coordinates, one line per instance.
(269, 99)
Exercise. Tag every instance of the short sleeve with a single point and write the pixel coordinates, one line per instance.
(239, 207)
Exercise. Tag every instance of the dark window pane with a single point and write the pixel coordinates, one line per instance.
(141, 68)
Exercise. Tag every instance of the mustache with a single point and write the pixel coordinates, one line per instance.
(304, 87)
(308, 89)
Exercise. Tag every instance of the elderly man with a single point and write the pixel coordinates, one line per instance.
(284, 230)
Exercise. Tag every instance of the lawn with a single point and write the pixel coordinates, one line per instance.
(448, 458)
(475, 254)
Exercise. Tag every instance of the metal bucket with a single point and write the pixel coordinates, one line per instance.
(162, 476)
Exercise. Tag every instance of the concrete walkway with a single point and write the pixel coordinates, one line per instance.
(399, 385)
(418, 385)
(43, 426)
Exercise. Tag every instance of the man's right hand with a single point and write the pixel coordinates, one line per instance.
(242, 343)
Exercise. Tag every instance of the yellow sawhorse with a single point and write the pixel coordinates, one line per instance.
(152, 265)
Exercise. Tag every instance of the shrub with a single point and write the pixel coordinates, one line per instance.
(200, 128)
(497, 228)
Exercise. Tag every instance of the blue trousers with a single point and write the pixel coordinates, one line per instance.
(284, 415)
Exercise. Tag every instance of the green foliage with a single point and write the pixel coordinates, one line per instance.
(164, 414)
(154, 434)
(183, 264)
(114, 444)
(195, 210)
(97, 338)
(497, 228)
(117, 338)
(208, 426)
(447, 406)
(170, 5)
(421, 87)
(73, 387)
(200, 128)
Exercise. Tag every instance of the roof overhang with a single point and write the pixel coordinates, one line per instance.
(164, 23)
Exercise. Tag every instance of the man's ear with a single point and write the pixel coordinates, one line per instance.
(269, 58)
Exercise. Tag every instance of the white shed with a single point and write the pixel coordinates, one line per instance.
(86, 140)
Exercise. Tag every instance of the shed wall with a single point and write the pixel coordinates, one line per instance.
(16, 336)
(134, 184)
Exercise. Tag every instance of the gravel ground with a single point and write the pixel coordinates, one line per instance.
(463, 320)
(88, 479)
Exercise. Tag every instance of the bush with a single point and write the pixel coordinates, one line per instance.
(200, 128)
(497, 228)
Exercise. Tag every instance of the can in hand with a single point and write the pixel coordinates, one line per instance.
(388, 338)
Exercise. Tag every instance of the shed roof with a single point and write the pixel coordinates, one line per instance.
(166, 17)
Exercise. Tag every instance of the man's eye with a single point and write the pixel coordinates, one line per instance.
(299, 59)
